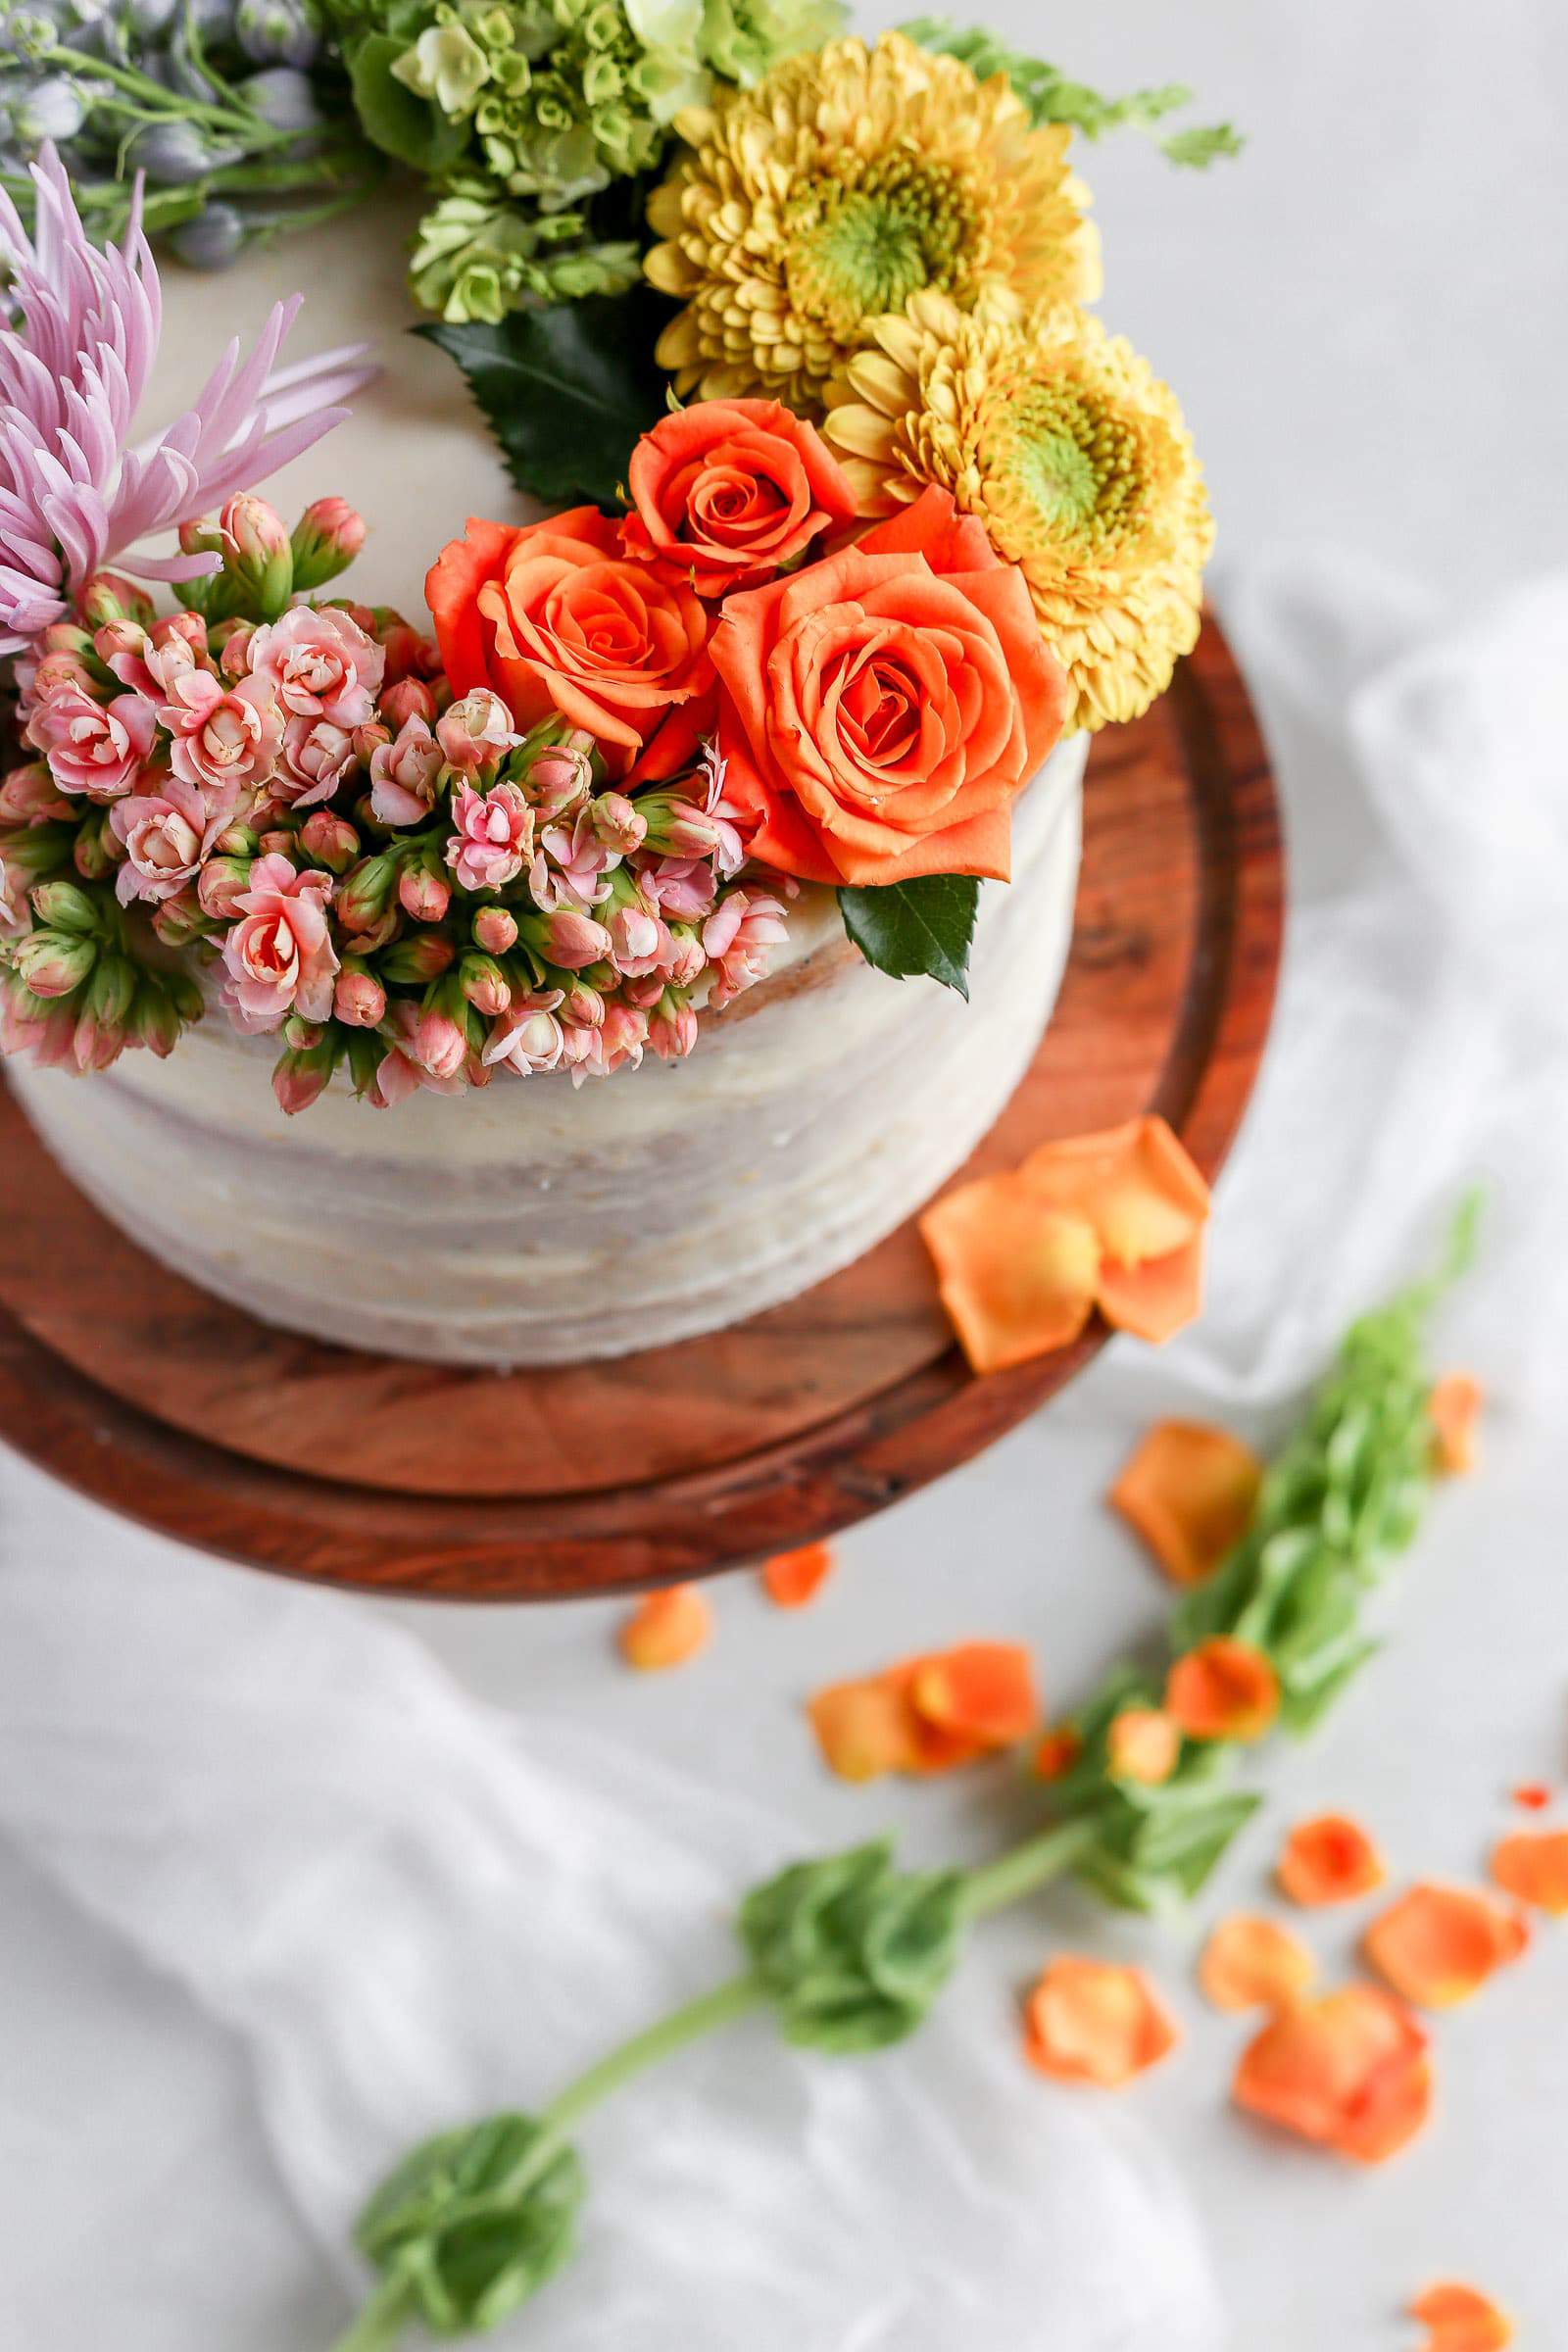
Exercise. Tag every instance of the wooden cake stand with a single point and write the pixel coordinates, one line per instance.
(184, 1413)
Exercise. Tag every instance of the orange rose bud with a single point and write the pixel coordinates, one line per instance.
(667, 1628)
(1532, 1865)
(1460, 2319)
(983, 1691)
(1348, 2072)
(1437, 1945)
(1455, 1406)
(791, 1579)
(1189, 1491)
(1328, 1859)
(1087, 2021)
(879, 716)
(1252, 1963)
(1144, 1744)
(1057, 1753)
(1223, 1690)
(1113, 1220)
(728, 492)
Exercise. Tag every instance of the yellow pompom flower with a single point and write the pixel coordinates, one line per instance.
(1071, 453)
(848, 181)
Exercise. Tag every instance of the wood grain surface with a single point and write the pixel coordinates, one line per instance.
(167, 1405)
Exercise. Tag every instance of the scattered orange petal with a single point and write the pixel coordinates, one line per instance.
(1252, 1963)
(1016, 1279)
(1057, 1753)
(1144, 1744)
(1437, 1945)
(1534, 1795)
(793, 1578)
(1348, 2072)
(984, 1689)
(864, 1729)
(1087, 2021)
(1223, 1690)
(1455, 1406)
(1023, 1257)
(1189, 1490)
(667, 1628)
(1461, 2320)
(1532, 1865)
(1328, 1859)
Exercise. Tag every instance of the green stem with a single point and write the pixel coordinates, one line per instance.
(167, 104)
(381, 2320)
(992, 1886)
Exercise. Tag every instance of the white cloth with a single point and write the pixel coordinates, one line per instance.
(404, 1907)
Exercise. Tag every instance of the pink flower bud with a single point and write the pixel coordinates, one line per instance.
(234, 657)
(573, 940)
(188, 627)
(360, 999)
(302, 1034)
(299, 1079)
(95, 852)
(424, 897)
(120, 639)
(559, 777)
(330, 840)
(422, 955)
(372, 736)
(180, 919)
(96, 1042)
(58, 669)
(53, 962)
(474, 732)
(583, 1006)
(494, 930)
(257, 551)
(200, 536)
(326, 538)
(486, 986)
(619, 823)
(109, 597)
(29, 796)
(362, 900)
(404, 648)
(154, 1021)
(672, 1028)
(410, 698)
(439, 1044)
(637, 939)
(219, 887)
(277, 842)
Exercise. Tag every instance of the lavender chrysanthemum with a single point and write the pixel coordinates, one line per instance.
(73, 495)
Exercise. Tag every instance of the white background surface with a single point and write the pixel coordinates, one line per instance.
(1366, 321)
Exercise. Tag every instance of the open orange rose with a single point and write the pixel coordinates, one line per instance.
(726, 492)
(554, 617)
(881, 711)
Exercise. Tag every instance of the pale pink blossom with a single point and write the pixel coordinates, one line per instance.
(560, 776)
(401, 1073)
(580, 858)
(638, 941)
(321, 662)
(317, 753)
(621, 1038)
(494, 837)
(222, 737)
(474, 731)
(166, 834)
(146, 667)
(404, 773)
(439, 1045)
(528, 1037)
(280, 956)
(93, 748)
(739, 938)
(573, 940)
(681, 887)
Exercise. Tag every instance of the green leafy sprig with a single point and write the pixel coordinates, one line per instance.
(1052, 96)
(850, 1952)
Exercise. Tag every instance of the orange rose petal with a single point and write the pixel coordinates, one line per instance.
(1461, 2320)
(1532, 1865)
(1455, 1406)
(1534, 1795)
(791, 1579)
(1328, 1859)
(1057, 1753)
(1137, 1184)
(1223, 1690)
(1088, 2022)
(1438, 1945)
(1144, 1744)
(1189, 1490)
(864, 1729)
(1154, 1300)
(1016, 1279)
(1252, 1963)
(1348, 2072)
(667, 1628)
(983, 1689)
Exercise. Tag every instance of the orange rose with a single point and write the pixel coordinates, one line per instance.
(882, 710)
(728, 492)
(554, 617)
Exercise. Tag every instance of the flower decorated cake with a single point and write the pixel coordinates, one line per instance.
(690, 883)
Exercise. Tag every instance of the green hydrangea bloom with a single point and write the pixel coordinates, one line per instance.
(741, 39)
(481, 254)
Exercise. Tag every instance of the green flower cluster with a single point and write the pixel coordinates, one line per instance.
(535, 120)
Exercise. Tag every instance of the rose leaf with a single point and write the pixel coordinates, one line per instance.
(925, 926)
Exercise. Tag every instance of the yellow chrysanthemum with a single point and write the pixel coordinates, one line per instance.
(844, 182)
(1073, 454)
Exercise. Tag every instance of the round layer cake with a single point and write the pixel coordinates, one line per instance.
(537, 1223)
(532, 1222)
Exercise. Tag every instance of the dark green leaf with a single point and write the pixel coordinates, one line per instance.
(924, 927)
(567, 390)
(394, 117)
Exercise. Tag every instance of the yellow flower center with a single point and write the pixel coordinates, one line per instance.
(1087, 471)
(862, 242)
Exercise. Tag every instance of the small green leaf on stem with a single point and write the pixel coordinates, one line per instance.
(922, 928)
(853, 1951)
